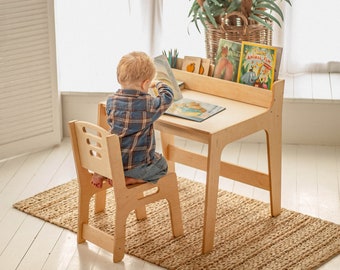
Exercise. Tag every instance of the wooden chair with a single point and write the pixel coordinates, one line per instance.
(96, 150)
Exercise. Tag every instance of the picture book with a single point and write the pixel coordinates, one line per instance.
(257, 65)
(165, 74)
(191, 64)
(193, 109)
(204, 67)
(182, 107)
(278, 62)
(195, 64)
(227, 60)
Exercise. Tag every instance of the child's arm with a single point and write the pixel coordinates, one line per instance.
(163, 101)
(165, 91)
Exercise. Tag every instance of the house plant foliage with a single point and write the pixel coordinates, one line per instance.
(255, 11)
(236, 20)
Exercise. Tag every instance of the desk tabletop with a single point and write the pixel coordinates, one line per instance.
(234, 113)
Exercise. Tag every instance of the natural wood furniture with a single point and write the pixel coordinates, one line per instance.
(96, 150)
(248, 110)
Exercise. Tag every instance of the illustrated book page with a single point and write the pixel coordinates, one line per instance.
(193, 109)
(227, 60)
(257, 65)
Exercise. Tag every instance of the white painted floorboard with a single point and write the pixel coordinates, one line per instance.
(310, 185)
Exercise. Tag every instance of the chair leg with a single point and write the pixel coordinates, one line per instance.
(100, 201)
(83, 214)
(176, 219)
(141, 212)
(174, 206)
(119, 236)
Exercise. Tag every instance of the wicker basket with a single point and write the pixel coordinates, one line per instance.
(236, 27)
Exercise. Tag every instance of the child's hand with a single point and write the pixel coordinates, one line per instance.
(153, 84)
(153, 91)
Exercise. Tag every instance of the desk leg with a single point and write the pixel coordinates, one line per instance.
(213, 173)
(166, 140)
(274, 148)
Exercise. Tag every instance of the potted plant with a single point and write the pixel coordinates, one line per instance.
(258, 11)
(236, 20)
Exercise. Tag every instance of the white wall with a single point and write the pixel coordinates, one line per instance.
(91, 36)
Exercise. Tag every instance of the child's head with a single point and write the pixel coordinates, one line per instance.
(135, 68)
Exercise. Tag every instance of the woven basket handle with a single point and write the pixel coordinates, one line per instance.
(237, 14)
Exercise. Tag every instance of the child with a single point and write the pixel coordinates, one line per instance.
(131, 112)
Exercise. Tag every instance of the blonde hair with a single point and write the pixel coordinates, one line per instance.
(135, 67)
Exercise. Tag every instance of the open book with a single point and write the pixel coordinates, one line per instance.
(182, 107)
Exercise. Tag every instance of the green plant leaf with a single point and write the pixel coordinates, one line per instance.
(234, 6)
(288, 1)
(259, 13)
(261, 21)
(271, 6)
(208, 13)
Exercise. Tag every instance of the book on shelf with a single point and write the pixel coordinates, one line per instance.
(204, 67)
(278, 62)
(195, 64)
(182, 107)
(227, 60)
(257, 65)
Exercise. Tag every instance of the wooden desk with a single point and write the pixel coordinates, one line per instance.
(248, 110)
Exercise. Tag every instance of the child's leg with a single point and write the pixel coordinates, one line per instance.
(131, 181)
(97, 180)
(147, 172)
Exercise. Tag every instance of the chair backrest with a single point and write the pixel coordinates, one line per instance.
(95, 149)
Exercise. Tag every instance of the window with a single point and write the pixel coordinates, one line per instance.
(311, 37)
(93, 35)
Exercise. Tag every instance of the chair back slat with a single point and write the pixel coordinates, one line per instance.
(94, 153)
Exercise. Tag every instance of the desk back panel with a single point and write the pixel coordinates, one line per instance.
(231, 90)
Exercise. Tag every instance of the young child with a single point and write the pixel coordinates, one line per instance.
(131, 112)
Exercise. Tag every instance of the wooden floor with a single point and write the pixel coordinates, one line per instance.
(310, 185)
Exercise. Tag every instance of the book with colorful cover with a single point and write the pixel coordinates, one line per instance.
(192, 64)
(204, 67)
(195, 64)
(182, 107)
(227, 60)
(257, 65)
(278, 62)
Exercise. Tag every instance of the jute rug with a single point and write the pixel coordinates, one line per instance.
(246, 237)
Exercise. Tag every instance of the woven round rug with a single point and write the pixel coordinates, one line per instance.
(246, 236)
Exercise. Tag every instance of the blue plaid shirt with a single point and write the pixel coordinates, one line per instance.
(131, 114)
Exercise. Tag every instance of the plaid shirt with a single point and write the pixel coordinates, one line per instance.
(131, 114)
